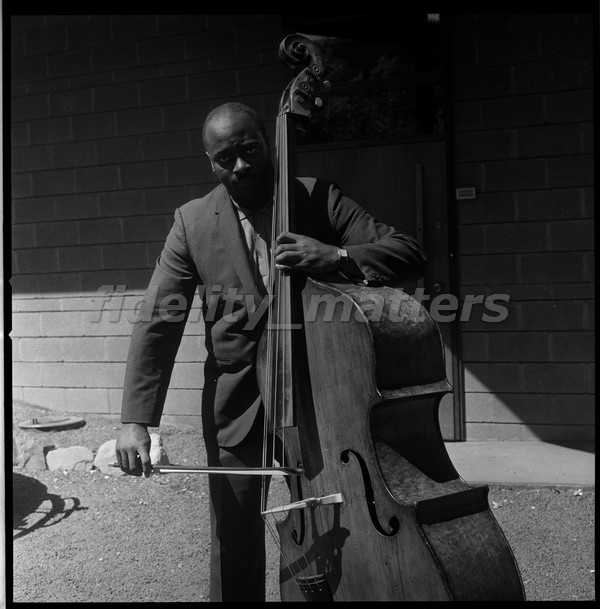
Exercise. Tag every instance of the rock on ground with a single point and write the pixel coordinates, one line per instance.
(72, 458)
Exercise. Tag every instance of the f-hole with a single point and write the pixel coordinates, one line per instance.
(393, 524)
(298, 537)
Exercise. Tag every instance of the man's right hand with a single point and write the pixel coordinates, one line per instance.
(132, 450)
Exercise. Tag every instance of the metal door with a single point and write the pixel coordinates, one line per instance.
(403, 185)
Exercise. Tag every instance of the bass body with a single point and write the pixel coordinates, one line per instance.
(369, 374)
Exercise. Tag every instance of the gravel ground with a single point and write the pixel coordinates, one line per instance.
(93, 537)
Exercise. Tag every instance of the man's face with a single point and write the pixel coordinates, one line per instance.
(239, 156)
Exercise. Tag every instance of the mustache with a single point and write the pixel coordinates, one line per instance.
(244, 176)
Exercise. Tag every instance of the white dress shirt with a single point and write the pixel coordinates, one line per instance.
(256, 225)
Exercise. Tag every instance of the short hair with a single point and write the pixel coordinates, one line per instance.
(229, 109)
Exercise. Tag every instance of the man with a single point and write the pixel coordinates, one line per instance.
(222, 242)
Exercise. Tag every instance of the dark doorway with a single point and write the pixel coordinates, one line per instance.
(381, 136)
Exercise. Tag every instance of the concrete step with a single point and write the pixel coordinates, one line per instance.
(524, 463)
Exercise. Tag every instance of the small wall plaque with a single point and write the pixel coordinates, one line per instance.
(468, 192)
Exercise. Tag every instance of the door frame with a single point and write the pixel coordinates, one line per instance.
(458, 389)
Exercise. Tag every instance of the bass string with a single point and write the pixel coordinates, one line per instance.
(272, 372)
(294, 567)
(278, 375)
(298, 566)
(281, 332)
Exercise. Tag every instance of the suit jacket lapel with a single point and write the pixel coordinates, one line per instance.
(233, 236)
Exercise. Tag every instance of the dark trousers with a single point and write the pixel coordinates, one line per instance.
(237, 567)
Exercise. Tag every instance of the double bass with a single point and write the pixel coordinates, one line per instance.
(351, 388)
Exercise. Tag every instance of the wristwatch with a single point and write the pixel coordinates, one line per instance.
(342, 257)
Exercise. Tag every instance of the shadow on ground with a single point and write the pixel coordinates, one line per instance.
(33, 507)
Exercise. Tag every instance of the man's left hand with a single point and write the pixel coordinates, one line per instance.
(301, 253)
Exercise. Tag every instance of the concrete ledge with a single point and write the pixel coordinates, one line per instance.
(524, 463)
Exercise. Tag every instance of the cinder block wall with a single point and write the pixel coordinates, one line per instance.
(105, 120)
(105, 145)
(524, 139)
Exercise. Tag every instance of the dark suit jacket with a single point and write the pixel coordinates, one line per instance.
(206, 247)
